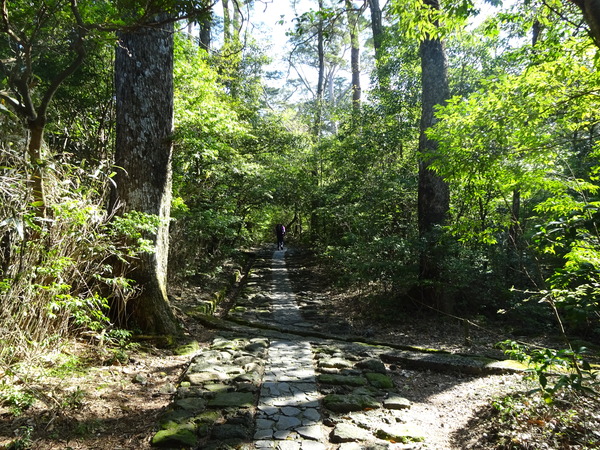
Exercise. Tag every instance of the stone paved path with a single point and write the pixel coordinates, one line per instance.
(288, 407)
(264, 386)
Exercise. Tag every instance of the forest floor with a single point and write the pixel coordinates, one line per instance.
(92, 397)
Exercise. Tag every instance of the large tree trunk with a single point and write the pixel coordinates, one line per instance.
(433, 192)
(591, 14)
(315, 223)
(144, 100)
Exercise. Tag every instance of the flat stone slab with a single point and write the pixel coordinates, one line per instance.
(345, 432)
(335, 363)
(192, 404)
(404, 433)
(199, 378)
(445, 362)
(232, 399)
(350, 402)
(313, 432)
(396, 402)
(341, 380)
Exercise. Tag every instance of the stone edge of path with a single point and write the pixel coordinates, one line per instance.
(215, 401)
(408, 356)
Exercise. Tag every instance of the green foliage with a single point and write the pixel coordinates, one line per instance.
(134, 229)
(229, 159)
(16, 398)
(522, 421)
(573, 242)
(65, 274)
(24, 440)
(555, 370)
(423, 21)
(516, 133)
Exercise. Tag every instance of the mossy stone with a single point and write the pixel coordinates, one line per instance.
(232, 399)
(187, 349)
(380, 380)
(176, 436)
(404, 433)
(350, 402)
(208, 417)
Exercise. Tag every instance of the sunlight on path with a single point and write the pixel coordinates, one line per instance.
(288, 409)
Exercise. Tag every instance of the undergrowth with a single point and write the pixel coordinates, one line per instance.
(523, 421)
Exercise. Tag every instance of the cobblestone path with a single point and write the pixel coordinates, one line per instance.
(272, 379)
(288, 408)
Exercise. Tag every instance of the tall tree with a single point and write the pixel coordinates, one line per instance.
(321, 73)
(376, 26)
(353, 15)
(227, 23)
(144, 100)
(206, 21)
(433, 192)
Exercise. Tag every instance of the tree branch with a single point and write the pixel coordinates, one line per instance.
(79, 48)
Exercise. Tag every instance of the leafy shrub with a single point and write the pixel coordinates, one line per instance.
(555, 370)
(574, 285)
(58, 274)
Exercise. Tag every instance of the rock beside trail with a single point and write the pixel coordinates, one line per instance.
(371, 365)
(379, 380)
(176, 436)
(396, 402)
(400, 433)
(342, 380)
(345, 432)
(344, 403)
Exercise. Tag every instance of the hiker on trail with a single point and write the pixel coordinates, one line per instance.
(280, 232)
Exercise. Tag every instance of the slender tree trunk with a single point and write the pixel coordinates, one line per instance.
(34, 151)
(433, 192)
(206, 21)
(237, 21)
(376, 27)
(353, 17)
(514, 237)
(144, 104)
(321, 74)
(227, 33)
